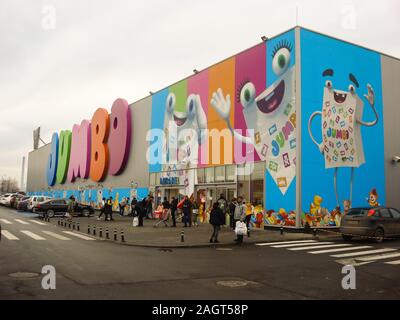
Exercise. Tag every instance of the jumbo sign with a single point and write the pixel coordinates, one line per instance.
(93, 148)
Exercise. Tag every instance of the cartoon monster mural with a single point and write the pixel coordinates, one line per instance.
(271, 116)
(341, 114)
(184, 133)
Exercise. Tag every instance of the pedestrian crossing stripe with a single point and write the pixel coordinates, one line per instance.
(78, 235)
(38, 222)
(55, 235)
(320, 247)
(339, 250)
(5, 221)
(354, 256)
(299, 245)
(34, 236)
(396, 262)
(362, 253)
(21, 221)
(285, 242)
(8, 235)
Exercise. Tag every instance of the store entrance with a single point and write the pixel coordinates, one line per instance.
(207, 195)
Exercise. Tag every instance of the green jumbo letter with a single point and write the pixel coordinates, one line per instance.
(64, 151)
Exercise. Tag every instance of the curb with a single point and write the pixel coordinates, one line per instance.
(188, 246)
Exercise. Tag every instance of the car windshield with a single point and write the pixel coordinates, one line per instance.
(357, 212)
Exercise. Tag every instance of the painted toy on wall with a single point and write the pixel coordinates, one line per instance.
(271, 116)
(341, 123)
(373, 198)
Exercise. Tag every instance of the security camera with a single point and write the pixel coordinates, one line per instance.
(396, 159)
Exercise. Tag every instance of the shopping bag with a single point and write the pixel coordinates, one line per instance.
(135, 222)
(241, 228)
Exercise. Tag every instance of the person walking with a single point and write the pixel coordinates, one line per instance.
(149, 207)
(109, 209)
(134, 204)
(102, 208)
(142, 209)
(249, 214)
(174, 208)
(223, 205)
(122, 206)
(232, 207)
(217, 218)
(71, 207)
(186, 208)
(240, 215)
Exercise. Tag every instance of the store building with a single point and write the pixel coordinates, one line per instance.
(309, 125)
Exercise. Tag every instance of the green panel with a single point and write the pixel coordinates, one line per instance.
(180, 90)
(64, 151)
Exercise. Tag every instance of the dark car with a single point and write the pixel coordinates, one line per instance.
(22, 204)
(58, 207)
(378, 222)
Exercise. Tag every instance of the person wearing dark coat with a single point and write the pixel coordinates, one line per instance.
(217, 219)
(186, 208)
(141, 211)
(174, 208)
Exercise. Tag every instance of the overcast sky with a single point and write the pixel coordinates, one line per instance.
(60, 60)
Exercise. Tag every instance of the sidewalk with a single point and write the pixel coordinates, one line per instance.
(167, 237)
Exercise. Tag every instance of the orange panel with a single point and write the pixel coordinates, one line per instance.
(222, 76)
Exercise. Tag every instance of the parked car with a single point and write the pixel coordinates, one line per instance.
(6, 199)
(22, 204)
(379, 222)
(35, 200)
(58, 207)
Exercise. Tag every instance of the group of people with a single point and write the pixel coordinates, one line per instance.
(238, 212)
(106, 208)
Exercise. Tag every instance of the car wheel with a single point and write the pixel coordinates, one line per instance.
(346, 237)
(85, 212)
(379, 235)
(50, 213)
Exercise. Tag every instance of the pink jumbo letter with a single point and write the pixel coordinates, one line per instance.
(119, 141)
(79, 163)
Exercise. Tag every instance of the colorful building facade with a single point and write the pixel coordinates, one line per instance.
(301, 125)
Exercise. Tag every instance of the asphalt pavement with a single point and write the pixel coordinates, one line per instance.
(90, 268)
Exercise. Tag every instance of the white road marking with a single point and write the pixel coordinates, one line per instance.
(55, 235)
(393, 262)
(361, 253)
(340, 249)
(38, 222)
(352, 262)
(21, 221)
(285, 242)
(8, 235)
(299, 245)
(5, 221)
(379, 257)
(81, 236)
(321, 247)
(32, 235)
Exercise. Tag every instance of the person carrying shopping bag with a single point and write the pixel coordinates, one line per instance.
(240, 216)
(165, 213)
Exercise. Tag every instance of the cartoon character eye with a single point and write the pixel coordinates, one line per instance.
(247, 94)
(170, 104)
(352, 89)
(281, 61)
(328, 84)
(191, 106)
